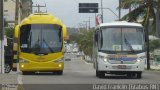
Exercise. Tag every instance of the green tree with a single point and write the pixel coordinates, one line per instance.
(154, 44)
(143, 10)
(8, 31)
(85, 41)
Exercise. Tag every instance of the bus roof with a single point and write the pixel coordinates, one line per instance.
(39, 18)
(120, 23)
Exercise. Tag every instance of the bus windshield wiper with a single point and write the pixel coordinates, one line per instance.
(128, 44)
(36, 47)
(48, 46)
(29, 39)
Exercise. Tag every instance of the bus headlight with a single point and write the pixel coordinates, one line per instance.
(139, 59)
(103, 58)
(23, 61)
(60, 60)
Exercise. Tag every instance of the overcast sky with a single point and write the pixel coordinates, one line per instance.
(67, 10)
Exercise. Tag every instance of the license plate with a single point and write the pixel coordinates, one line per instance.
(122, 67)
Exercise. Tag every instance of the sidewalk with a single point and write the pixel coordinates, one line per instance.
(8, 78)
(8, 81)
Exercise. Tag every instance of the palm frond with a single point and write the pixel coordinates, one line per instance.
(130, 3)
(134, 14)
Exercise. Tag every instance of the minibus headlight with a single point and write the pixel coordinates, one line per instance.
(60, 60)
(139, 59)
(23, 61)
(103, 58)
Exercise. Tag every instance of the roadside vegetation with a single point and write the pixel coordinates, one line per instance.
(154, 44)
(84, 41)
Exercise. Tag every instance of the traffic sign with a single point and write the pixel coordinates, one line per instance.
(88, 7)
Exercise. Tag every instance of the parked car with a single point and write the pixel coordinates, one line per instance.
(8, 59)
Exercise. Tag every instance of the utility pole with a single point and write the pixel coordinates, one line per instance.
(38, 7)
(16, 12)
(119, 10)
(102, 10)
(89, 26)
(147, 39)
(86, 24)
(89, 21)
(1, 38)
(158, 22)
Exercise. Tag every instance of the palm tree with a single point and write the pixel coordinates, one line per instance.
(143, 10)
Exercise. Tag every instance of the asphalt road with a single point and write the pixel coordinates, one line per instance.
(79, 75)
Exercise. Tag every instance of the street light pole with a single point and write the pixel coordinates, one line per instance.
(1, 38)
(119, 10)
(158, 21)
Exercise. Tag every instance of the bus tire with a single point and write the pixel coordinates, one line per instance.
(58, 72)
(139, 75)
(97, 73)
(100, 74)
(27, 73)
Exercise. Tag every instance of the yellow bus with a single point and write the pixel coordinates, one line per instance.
(39, 44)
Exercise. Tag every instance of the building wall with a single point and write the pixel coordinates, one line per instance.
(9, 10)
(24, 8)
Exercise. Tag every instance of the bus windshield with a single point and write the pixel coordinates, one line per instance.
(40, 38)
(121, 39)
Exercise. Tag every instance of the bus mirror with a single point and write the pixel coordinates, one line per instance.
(65, 33)
(96, 37)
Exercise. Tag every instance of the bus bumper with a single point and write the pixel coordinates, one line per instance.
(105, 66)
(41, 66)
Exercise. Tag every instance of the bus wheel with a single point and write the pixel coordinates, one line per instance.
(100, 74)
(139, 75)
(97, 73)
(27, 73)
(58, 72)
